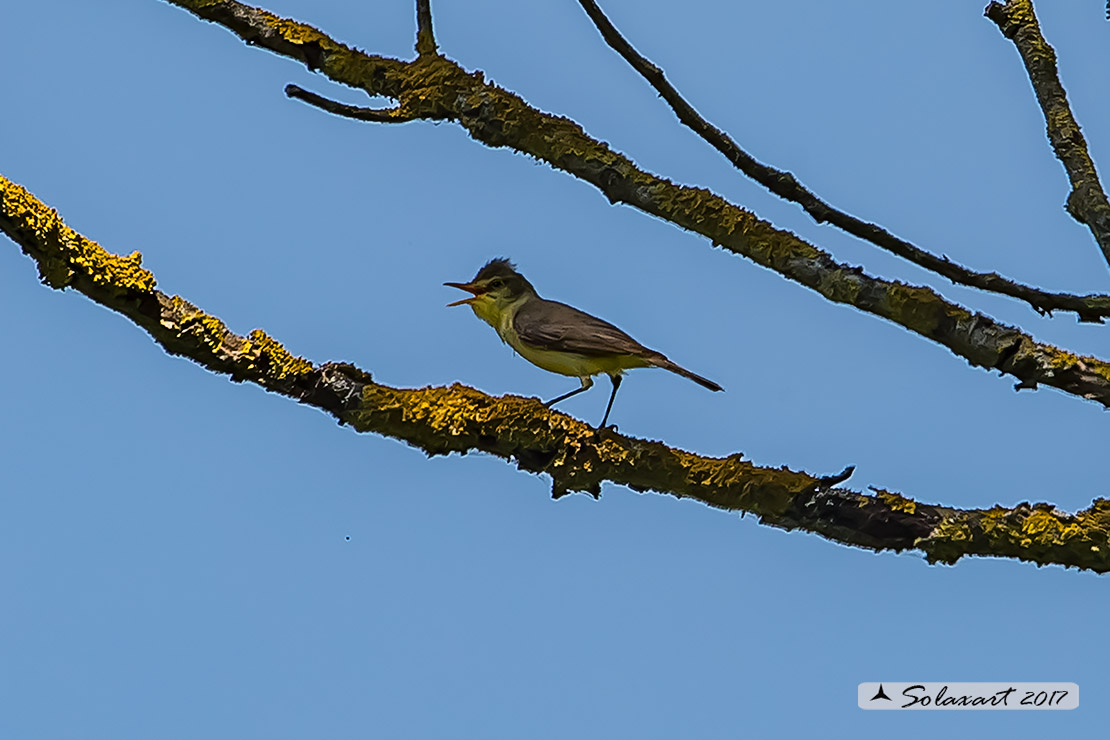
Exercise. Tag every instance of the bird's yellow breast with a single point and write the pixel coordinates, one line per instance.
(554, 361)
(565, 363)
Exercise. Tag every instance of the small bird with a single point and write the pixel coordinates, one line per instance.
(557, 337)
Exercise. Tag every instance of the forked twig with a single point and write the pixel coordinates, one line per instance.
(376, 115)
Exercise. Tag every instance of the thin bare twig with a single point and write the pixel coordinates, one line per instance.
(1092, 308)
(1087, 201)
(376, 115)
(425, 37)
(437, 88)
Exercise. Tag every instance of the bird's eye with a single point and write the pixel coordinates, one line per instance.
(496, 283)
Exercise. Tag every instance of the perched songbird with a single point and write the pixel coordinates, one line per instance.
(558, 337)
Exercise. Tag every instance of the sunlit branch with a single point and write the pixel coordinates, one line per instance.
(539, 440)
(436, 88)
(1087, 202)
(1092, 308)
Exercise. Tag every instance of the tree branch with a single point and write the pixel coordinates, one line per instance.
(577, 457)
(1092, 308)
(425, 38)
(436, 88)
(1087, 202)
(377, 115)
(302, 42)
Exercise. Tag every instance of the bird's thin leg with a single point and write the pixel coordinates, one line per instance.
(587, 383)
(616, 384)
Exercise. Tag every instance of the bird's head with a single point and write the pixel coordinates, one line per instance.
(495, 288)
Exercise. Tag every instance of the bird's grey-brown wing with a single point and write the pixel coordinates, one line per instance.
(557, 326)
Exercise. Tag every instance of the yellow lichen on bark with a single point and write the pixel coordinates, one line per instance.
(1044, 527)
(72, 253)
(278, 362)
(576, 456)
(896, 501)
(210, 330)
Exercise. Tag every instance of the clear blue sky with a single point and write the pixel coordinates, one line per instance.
(175, 561)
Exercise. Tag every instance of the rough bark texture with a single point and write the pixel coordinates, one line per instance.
(435, 88)
(575, 456)
(1087, 202)
(1092, 308)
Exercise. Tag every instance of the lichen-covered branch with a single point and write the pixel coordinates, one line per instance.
(1087, 202)
(575, 456)
(1092, 308)
(436, 88)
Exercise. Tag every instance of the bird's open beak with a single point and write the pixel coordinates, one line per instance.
(468, 287)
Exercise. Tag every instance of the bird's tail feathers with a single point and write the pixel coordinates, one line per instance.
(666, 364)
